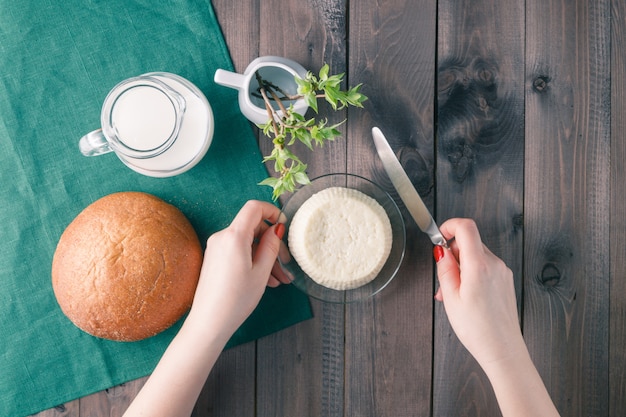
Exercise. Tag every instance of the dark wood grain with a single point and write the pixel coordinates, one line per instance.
(110, 402)
(113, 401)
(69, 409)
(566, 314)
(617, 236)
(301, 369)
(240, 23)
(480, 162)
(230, 388)
(389, 337)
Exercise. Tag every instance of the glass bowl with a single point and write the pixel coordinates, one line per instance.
(302, 281)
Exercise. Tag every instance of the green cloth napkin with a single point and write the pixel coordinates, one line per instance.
(58, 60)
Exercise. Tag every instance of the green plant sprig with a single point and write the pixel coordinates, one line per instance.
(288, 126)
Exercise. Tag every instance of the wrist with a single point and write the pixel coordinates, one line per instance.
(519, 389)
(498, 350)
(206, 328)
(515, 359)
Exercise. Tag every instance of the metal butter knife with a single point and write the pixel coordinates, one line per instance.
(407, 192)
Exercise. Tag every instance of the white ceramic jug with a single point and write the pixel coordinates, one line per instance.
(278, 71)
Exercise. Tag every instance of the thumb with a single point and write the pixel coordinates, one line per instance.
(267, 250)
(448, 272)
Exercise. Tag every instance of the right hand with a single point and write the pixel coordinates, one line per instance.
(478, 294)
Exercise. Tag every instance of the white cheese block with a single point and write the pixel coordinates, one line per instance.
(341, 238)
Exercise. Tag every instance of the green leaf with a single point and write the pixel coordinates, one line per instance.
(296, 117)
(305, 87)
(278, 191)
(355, 98)
(335, 80)
(267, 128)
(311, 100)
(331, 99)
(302, 178)
(292, 127)
(324, 72)
(271, 181)
(279, 139)
(300, 167)
(306, 139)
(329, 133)
(290, 155)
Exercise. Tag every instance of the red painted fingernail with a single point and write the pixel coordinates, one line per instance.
(280, 230)
(438, 253)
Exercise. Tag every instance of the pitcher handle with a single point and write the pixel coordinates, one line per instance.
(229, 79)
(94, 143)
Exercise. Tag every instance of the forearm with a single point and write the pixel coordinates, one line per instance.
(174, 386)
(519, 388)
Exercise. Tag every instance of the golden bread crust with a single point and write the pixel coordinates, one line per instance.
(126, 268)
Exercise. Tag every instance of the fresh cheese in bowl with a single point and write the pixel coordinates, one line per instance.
(345, 238)
(341, 238)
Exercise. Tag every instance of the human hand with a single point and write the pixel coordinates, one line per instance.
(239, 262)
(478, 294)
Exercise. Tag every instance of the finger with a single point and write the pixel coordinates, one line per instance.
(266, 224)
(261, 227)
(454, 248)
(438, 295)
(283, 253)
(448, 272)
(467, 239)
(272, 282)
(251, 218)
(280, 274)
(267, 250)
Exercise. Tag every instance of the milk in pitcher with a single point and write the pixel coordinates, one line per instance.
(158, 124)
(146, 118)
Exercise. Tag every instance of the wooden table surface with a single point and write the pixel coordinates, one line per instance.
(508, 112)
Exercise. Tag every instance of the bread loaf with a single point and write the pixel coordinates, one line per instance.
(126, 268)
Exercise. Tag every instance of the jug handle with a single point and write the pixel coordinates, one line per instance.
(94, 143)
(229, 79)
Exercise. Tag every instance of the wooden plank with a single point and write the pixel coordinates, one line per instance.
(617, 328)
(300, 369)
(389, 337)
(239, 21)
(566, 314)
(480, 164)
(230, 389)
(113, 401)
(69, 409)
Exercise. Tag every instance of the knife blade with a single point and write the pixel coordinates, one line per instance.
(406, 190)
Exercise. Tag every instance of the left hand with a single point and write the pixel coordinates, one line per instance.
(236, 269)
